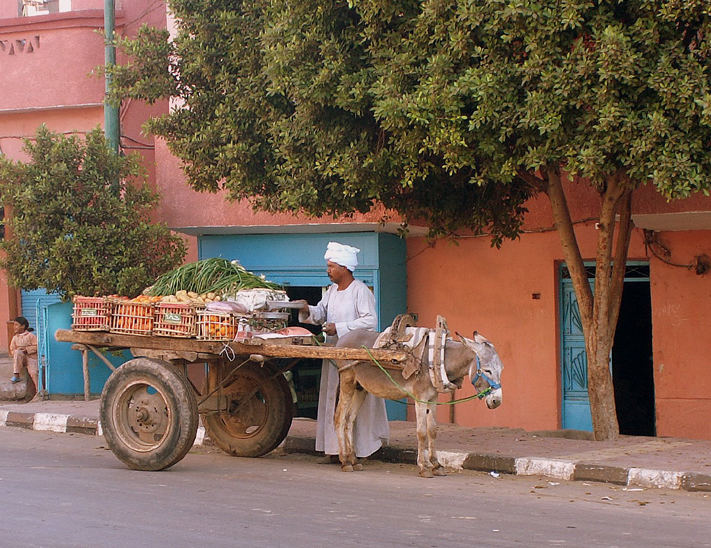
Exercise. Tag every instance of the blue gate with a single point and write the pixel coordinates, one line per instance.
(574, 362)
(60, 366)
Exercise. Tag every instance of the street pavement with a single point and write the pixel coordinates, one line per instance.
(648, 462)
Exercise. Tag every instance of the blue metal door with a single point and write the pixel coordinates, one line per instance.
(574, 362)
(61, 367)
(35, 300)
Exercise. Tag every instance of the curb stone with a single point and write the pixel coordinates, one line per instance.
(51, 422)
(696, 482)
(597, 472)
(522, 466)
(490, 463)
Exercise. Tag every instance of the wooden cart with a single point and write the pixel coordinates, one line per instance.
(149, 408)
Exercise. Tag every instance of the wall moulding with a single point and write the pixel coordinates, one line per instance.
(20, 46)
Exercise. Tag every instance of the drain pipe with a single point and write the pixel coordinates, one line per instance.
(111, 112)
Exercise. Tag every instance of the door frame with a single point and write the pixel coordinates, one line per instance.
(575, 410)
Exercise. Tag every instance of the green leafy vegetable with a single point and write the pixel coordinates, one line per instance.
(216, 275)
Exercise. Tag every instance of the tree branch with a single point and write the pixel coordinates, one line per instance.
(606, 234)
(571, 251)
(530, 178)
(619, 263)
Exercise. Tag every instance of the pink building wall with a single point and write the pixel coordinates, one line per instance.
(46, 66)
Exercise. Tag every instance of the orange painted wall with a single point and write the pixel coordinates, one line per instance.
(477, 287)
(37, 78)
(681, 319)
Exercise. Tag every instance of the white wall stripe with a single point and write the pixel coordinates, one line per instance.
(545, 467)
(50, 422)
(3, 417)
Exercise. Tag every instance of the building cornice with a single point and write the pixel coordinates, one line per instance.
(306, 228)
(23, 110)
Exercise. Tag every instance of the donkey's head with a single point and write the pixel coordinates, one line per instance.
(485, 369)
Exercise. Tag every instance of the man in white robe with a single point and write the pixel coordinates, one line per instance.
(347, 305)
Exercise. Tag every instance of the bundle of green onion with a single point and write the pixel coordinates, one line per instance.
(215, 275)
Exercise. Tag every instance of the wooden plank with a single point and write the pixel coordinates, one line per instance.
(102, 339)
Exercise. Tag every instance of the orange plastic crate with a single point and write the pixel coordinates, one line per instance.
(216, 326)
(174, 320)
(91, 313)
(132, 318)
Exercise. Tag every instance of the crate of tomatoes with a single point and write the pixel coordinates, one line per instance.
(174, 320)
(91, 313)
(133, 316)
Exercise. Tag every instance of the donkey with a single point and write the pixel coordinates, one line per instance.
(476, 357)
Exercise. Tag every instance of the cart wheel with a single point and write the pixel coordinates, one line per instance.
(259, 412)
(148, 414)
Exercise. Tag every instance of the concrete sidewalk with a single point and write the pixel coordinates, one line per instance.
(647, 462)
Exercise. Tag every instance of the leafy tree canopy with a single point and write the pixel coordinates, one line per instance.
(442, 109)
(72, 232)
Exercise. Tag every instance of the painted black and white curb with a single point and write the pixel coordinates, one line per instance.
(495, 464)
(578, 471)
(51, 422)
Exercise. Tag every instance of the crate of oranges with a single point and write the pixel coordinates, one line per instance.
(174, 320)
(91, 313)
(213, 325)
(133, 316)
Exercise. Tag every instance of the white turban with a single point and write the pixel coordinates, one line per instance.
(344, 255)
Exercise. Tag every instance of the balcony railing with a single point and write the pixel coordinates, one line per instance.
(44, 7)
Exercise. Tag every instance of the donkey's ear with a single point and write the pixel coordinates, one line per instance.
(475, 334)
(461, 337)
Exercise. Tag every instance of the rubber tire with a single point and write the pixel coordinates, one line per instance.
(181, 411)
(273, 398)
(194, 423)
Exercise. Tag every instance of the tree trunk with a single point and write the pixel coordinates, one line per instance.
(598, 311)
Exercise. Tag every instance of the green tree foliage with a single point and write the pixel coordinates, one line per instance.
(72, 232)
(454, 112)
(279, 109)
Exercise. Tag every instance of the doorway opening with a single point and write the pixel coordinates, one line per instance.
(632, 366)
(631, 363)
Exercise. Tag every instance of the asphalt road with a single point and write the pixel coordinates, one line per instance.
(60, 490)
